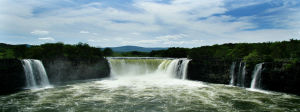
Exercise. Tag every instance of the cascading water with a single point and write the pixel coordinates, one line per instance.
(255, 83)
(238, 82)
(184, 68)
(36, 76)
(30, 79)
(164, 68)
(232, 71)
(238, 79)
(241, 75)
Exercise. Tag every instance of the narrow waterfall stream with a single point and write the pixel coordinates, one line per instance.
(255, 83)
(238, 79)
(232, 74)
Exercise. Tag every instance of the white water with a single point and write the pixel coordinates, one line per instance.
(184, 69)
(255, 83)
(241, 75)
(36, 76)
(232, 71)
(30, 79)
(162, 68)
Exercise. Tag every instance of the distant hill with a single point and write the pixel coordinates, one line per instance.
(3, 45)
(135, 48)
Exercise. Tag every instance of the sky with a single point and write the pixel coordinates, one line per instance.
(148, 23)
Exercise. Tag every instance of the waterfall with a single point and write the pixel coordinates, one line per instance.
(241, 74)
(238, 79)
(30, 79)
(162, 67)
(184, 69)
(36, 76)
(255, 83)
(232, 71)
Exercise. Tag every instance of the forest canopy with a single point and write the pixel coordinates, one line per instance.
(248, 52)
(50, 51)
(253, 52)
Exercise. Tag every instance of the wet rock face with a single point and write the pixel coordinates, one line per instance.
(61, 70)
(277, 77)
(274, 76)
(213, 71)
(12, 77)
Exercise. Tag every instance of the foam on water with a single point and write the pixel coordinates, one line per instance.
(140, 94)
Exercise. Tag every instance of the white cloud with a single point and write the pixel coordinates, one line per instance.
(39, 32)
(234, 4)
(171, 37)
(176, 43)
(47, 39)
(98, 40)
(135, 33)
(84, 32)
(186, 23)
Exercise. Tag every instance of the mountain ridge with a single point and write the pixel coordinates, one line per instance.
(130, 48)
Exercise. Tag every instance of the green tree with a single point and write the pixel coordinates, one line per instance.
(252, 57)
(107, 52)
(6, 54)
(176, 52)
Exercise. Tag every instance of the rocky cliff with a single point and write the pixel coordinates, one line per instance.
(61, 70)
(12, 77)
(275, 76)
(215, 71)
